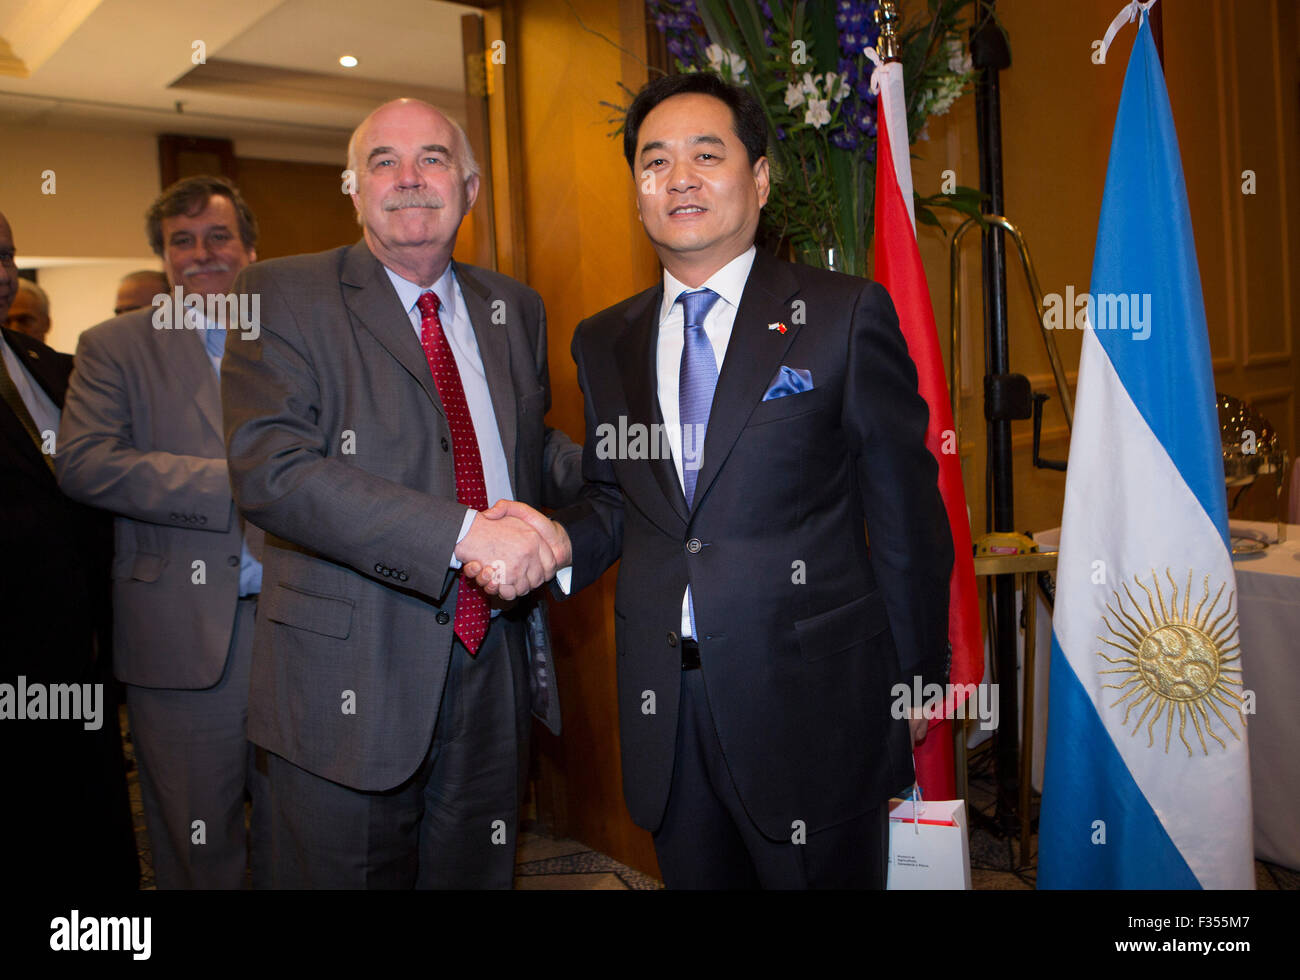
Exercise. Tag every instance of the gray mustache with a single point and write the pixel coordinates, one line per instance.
(204, 268)
(412, 199)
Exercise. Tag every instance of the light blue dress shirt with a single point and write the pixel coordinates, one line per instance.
(250, 569)
(459, 332)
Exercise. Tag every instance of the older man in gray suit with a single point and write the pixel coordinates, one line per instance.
(390, 395)
(141, 437)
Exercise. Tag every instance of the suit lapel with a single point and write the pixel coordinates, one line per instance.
(754, 354)
(371, 298)
(494, 351)
(636, 353)
(49, 367)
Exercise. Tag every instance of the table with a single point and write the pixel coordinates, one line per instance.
(1268, 603)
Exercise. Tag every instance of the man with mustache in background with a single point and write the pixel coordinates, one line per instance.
(141, 437)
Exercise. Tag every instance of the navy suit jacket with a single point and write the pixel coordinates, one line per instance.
(803, 628)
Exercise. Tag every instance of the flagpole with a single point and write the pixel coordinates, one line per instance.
(1156, 18)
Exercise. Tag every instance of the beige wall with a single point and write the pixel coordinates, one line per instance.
(83, 294)
(103, 183)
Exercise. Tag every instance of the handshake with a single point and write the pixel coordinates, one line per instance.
(511, 549)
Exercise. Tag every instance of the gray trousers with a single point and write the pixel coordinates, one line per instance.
(453, 824)
(196, 764)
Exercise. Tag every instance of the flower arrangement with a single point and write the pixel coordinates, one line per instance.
(805, 61)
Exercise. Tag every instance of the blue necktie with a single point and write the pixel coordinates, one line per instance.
(695, 384)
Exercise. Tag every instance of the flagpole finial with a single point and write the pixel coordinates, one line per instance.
(886, 17)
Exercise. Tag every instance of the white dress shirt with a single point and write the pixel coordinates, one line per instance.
(729, 283)
(39, 405)
(464, 347)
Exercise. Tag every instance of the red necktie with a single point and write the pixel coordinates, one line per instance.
(472, 605)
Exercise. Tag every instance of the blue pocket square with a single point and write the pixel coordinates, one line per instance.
(789, 381)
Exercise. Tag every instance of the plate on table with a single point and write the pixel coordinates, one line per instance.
(1248, 547)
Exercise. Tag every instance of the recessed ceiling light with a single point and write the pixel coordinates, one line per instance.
(347, 61)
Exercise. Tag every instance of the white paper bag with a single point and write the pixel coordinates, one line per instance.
(928, 846)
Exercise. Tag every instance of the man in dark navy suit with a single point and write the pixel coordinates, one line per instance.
(758, 635)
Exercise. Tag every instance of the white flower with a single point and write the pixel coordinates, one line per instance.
(817, 115)
(938, 100)
(959, 62)
(809, 85)
(793, 97)
(837, 86)
(719, 56)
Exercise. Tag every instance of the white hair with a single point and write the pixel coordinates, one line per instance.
(468, 163)
(42, 300)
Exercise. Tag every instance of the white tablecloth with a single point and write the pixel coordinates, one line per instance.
(1268, 600)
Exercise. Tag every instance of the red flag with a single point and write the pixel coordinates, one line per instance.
(898, 268)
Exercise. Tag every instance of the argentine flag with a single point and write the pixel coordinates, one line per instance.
(1147, 781)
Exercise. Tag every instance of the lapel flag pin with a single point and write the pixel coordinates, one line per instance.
(781, 327)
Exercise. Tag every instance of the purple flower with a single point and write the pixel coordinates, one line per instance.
(846, 139)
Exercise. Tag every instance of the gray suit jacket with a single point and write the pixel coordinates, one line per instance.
(140, 436)
(340, 449)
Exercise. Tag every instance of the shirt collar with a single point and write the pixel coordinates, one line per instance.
(409, 293)
(214, 338)
(728, 282)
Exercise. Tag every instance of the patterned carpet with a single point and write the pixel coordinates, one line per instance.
(545, 862)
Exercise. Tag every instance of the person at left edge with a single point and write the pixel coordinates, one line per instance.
(391, 394)
(66, 817)
(141, 437)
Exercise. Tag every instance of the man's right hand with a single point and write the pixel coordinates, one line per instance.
(488, 573)
(508, 553)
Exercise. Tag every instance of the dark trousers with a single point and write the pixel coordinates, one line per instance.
(453, 824)
(707, 840)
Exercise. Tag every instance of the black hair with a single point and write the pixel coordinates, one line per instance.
(189, 197)
(747, 117)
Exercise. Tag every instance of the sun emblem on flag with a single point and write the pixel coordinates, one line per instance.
(1175, 663)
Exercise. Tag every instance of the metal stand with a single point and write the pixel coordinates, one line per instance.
(1026, 567)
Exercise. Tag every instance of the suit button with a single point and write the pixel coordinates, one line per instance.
(175, 516)
(401, 576)
(233, 561)
(379, 568)
(672, 638)
(445, 446)
(443, 619)
(203, 519)
(694, 546)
